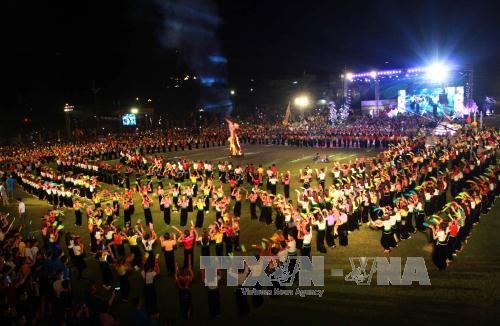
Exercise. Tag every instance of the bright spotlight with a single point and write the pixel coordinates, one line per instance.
(373, 74)
(349, 76)
(301, 101)
(134, 110)
(232, 92)
(437, 72)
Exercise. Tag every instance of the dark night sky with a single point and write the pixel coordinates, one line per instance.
(54, 52)
(326, 35)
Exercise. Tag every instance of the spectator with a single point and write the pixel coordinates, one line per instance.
(22, 211)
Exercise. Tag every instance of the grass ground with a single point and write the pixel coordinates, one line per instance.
(467, 292)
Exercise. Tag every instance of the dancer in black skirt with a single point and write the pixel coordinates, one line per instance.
(151, 270)
(126, 212)
(285, 179)
(200, 211)
(204, 241)
(131, 203)
(419, 217)
(405, 234)
(214, 306)
(320, 223)
(387, 236)
(273, 182)
(341, 228)
(184, 206)
(330, 224)
(78, 213)
(116, 204)
(217, 235)
(266, 210)
(352, 215)
(104, 264)
(279, 221)
(242, 303)
(237, 204)
(175, 197)
(169, 243)
(146, 205)
(166, 202)
(183, 279)
(440, 236)
(188, 191)
(252, 197)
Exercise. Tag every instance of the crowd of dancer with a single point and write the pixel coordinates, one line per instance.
(404, 190)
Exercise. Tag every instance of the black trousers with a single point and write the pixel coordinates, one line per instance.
(170, 261)
(188, 256)
(330, 239)
(320, 241)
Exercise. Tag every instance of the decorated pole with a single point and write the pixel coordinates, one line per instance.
(287, 115)
(234, 142)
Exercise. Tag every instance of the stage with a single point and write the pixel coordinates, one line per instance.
(436, 90)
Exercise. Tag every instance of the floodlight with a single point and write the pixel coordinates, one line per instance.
(437, 72)
(301, 101)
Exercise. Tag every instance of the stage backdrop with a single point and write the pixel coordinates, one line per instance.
(370, 107)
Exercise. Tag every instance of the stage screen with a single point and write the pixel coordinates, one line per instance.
(402, 100)
(129, 119)
(436, 100)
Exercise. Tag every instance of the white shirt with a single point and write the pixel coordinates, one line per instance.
(148, 276)
(22, 208)
(109, 235)
(321, 224)
(387, 225)
(307, 238)
(148, 244)
(441, 236)
(398, 217)
(31, 253)
(392, 220)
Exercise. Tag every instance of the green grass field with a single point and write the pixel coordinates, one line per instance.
(467, 292)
